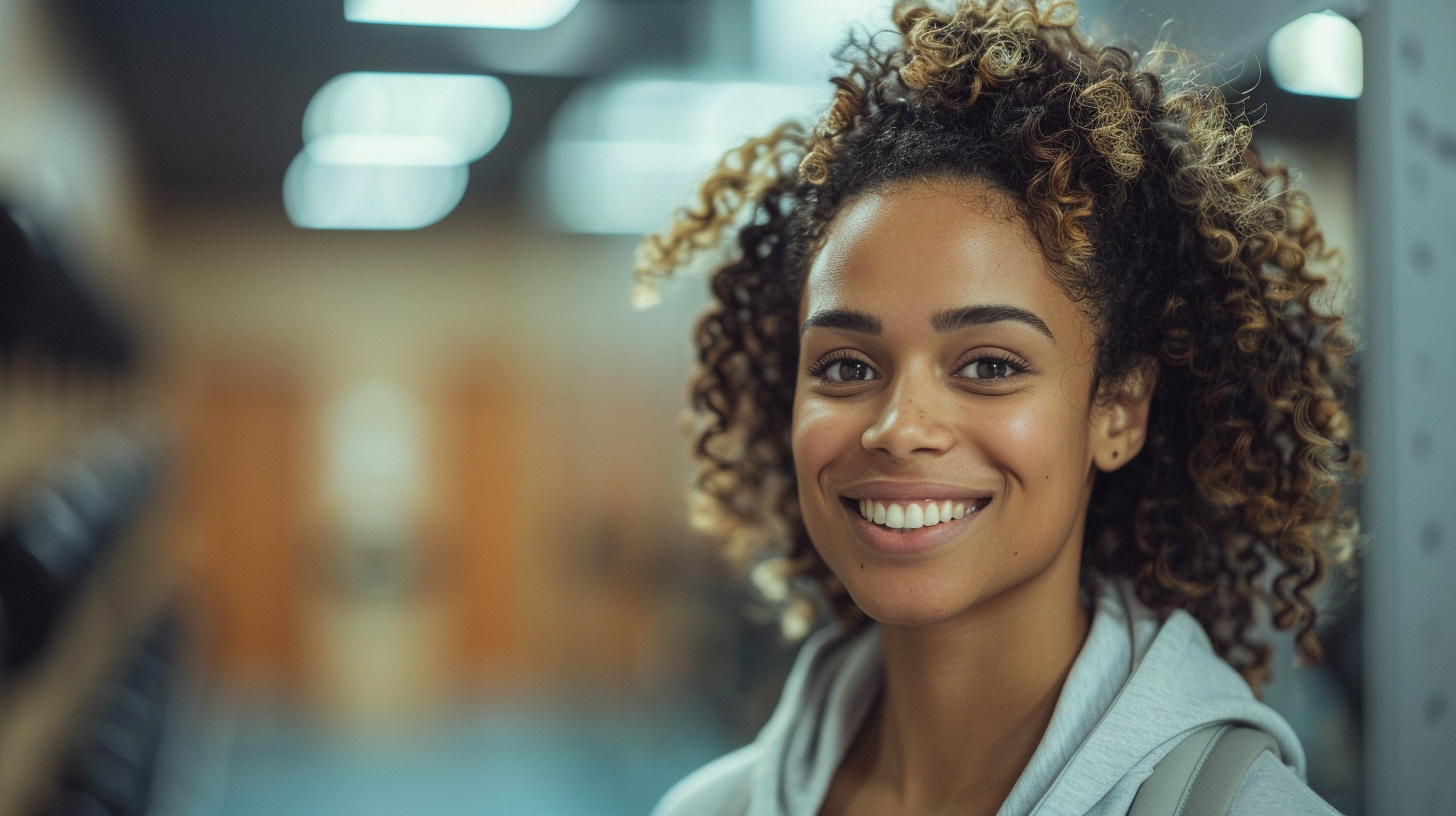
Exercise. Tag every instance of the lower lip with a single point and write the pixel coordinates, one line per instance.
(890, 541)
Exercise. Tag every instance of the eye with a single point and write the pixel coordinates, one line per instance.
(989, 368)
(845, 370)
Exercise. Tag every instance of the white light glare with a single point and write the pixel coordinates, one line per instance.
(795, 40)
(623, 156)
(520, 14)
(1318, 55)
(424, 119)
(362, 196)
(375, 473)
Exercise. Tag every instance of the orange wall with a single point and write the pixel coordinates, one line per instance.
(243, 535)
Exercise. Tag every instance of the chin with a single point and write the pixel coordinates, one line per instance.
(909, 616)
(904, 601)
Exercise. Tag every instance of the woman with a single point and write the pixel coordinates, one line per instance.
(1015, 368)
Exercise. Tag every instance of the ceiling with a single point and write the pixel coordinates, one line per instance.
(214, 92)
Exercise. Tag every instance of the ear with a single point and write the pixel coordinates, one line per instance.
(1120, 417)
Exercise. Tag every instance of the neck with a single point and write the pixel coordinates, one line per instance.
(966, 700)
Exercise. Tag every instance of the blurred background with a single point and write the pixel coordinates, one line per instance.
(339, 476)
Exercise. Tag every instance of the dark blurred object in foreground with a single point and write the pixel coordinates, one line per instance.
(82, 575)
(111, 771)
(50, 547)
(47, 311)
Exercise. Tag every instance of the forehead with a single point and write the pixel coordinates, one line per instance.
(927, 245)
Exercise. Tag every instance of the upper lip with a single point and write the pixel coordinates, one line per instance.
(912, 491)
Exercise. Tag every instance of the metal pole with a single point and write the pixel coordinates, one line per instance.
(1407, 148)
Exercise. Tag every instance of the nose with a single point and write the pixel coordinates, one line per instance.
(913, 418)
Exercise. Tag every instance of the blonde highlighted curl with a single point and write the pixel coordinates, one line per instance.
(1188, 252)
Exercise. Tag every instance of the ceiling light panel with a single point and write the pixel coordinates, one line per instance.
(795, 40)
(1318, 55)
(318, 195)
(420, 119)
(623, 155)
(518, 14)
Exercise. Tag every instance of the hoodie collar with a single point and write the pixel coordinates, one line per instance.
(826, 698)
(1177, 684)
(1139, 685)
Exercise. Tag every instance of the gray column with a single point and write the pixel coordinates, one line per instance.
(1407, 145)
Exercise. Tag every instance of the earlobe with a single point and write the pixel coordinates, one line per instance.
(1123, 425)
(1120, 446)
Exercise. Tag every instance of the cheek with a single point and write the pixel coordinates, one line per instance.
(1039, 441)
(822, 432)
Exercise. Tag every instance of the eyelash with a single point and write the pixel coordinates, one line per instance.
(1013, 365)
(821, 368)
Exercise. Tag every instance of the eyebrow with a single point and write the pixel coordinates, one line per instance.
(954, 319)
(845, 319)
(946, 321)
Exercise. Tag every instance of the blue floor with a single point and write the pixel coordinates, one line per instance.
(536, 762)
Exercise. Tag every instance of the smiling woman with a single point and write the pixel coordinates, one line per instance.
(1018, 373)
(955, 389)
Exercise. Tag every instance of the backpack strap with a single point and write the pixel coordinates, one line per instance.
(1199, 776)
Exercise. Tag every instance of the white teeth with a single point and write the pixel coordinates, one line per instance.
(895, 517)
(914, 517)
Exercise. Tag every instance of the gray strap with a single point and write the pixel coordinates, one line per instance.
(1223, 770)
(1199, 776)
(1163, 793)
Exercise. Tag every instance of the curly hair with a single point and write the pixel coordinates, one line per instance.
(1186, 251)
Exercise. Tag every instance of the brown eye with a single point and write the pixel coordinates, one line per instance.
(987, 368)
(848, 371)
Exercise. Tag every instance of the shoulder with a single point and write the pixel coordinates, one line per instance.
(1270, 787)
(719, 788)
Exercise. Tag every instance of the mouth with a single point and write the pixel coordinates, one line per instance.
(910, 527)
(899, 514)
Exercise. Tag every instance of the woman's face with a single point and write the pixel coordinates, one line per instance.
(945, 435)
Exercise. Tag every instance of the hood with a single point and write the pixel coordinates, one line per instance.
(1140, 683)
(1175, 684)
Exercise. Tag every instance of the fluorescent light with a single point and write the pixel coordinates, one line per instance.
(383, 148)
(525, 14)
(624, 155)
(591, 40)
(621, 187)
(795, 40)
(425, 119)
(681, 111)
(362, 196)
(1318, 55)
(389, 151)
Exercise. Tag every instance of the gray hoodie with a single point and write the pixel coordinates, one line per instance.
(1140, 684)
